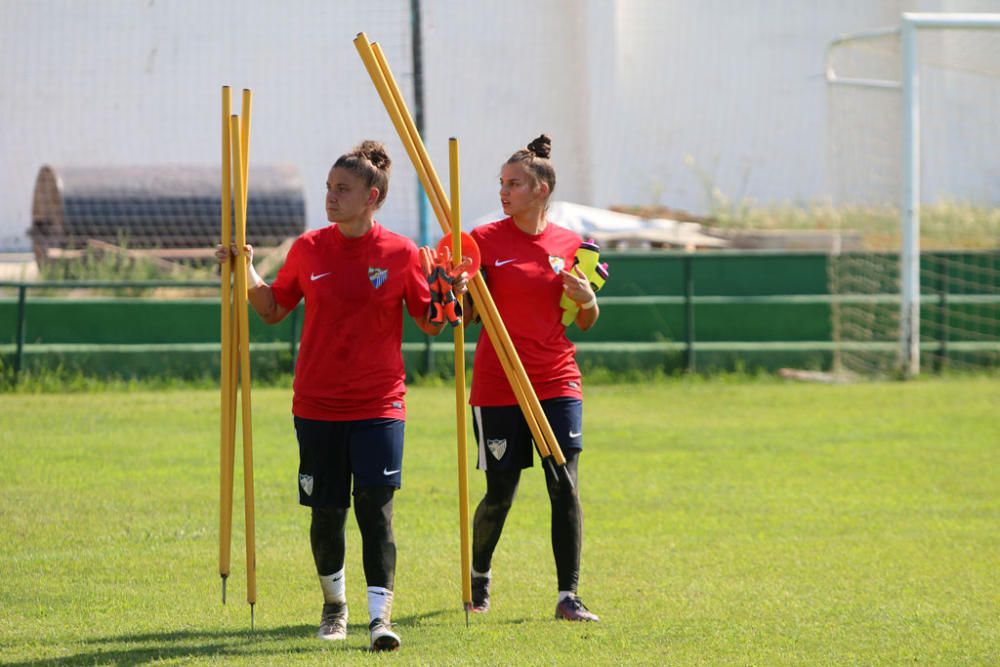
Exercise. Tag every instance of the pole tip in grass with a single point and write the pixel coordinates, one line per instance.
(467, 606)
(251, 617)
(224, 579)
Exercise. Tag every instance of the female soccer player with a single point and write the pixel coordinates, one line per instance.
(525, 259)
(355, 277)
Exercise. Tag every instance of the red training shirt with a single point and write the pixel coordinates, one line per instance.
(350, 363)
(522, 272)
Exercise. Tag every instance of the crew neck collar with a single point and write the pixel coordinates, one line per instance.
(371, 234)
(541, 234)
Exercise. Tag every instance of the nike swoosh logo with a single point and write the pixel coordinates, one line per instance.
(387, 472)
(317, 276)
(499, 263)
(575, 435)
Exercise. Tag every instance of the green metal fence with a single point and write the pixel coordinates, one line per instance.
(681, 310)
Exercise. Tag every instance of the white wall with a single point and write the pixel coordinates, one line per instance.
(626, 88)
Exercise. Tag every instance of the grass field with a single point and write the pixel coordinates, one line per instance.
(727, 523)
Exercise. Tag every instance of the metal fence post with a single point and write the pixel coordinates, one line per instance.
(688, 315)
(945, 318)
(22, 292)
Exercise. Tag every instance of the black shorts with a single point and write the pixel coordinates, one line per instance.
(331, 453)
(505, 441)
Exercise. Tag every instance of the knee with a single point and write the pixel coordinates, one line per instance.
(328, 518)
(373, 507)
(500, 493)
(561, 492)
(499, 504)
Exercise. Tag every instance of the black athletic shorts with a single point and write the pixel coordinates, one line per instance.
(331, 453)
(505, 441)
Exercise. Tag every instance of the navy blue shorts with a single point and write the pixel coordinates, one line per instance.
(331, 453)
(505, 441)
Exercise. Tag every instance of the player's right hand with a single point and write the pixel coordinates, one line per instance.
(222, 253)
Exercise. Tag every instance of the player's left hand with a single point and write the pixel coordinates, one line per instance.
(576, 286)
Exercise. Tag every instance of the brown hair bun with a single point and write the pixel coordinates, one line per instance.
(541, 147)
(374, 152)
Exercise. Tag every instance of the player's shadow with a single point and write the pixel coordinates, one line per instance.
(190, 644)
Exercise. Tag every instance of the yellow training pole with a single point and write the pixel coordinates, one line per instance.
(248, 493)
(245, 384)
(535, 417)
(243, 325)
(459, 331)
(239, 336)
(245, 143)
(226, 435)
(392, 100)
(381, 79)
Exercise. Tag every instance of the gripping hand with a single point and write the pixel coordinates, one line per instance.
(586, 259)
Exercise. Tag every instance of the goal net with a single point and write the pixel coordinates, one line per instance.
(956, 175)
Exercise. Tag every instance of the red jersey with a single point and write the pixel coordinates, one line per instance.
(350, 363)
(522, 272)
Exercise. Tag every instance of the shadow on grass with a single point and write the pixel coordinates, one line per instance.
(188, 644)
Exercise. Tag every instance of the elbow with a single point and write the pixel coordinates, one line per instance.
(273, 315)
(587, 319)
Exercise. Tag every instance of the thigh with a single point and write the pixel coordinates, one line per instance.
(324, 466)
(565, 416)
(504, 438)
(376, 451)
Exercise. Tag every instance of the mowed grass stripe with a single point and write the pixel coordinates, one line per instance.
(726, 523)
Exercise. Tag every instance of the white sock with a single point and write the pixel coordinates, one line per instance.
(379, 603)
(566, 594)
(487, 574)
(334, 587)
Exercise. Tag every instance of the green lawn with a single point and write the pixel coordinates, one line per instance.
(747, 523)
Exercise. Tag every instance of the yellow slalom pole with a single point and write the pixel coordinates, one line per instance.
(245, 384)
(459, 331)
(525, 393)
(245, 143)
(243, 325)
(226, 434)
(392, 100)
(385, 86)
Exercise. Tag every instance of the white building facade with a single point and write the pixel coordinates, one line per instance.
(647, 101)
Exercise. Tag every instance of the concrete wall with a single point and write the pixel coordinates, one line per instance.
(647, 101)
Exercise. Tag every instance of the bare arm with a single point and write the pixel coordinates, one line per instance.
(259, 293)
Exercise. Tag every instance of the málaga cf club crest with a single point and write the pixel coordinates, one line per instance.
(557, 263)
(377, 276)
(497, 447)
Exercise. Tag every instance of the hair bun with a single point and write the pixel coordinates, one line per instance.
(375, 152)
(541, 147)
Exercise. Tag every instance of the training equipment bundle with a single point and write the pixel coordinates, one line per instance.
(235, 360)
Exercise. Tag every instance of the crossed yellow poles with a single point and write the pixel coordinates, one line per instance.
(235, 336)
(447, 215)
